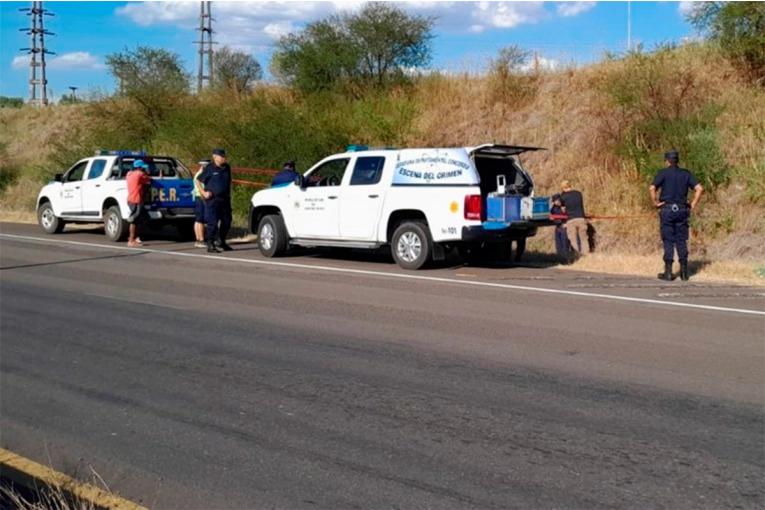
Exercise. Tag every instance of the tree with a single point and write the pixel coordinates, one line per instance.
(235, 70)
(739, 28)
(152, 77)
(11, 102)
(377, 46)
(69, 99)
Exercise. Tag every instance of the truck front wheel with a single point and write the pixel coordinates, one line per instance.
(411, 246)
(49, 222)
(272, 236)
(115, 227)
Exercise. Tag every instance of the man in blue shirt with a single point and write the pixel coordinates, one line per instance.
(216, 192)
(562, 245)
(674, 211)
(286, 175)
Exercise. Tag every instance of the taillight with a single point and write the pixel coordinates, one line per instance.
(473, 207)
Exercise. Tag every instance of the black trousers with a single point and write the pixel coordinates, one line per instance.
(217, 210)
(674, 233)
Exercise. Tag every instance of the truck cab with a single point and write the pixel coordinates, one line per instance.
(94, 190)
(420, 202)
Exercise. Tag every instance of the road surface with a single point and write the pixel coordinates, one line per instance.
(319, 381)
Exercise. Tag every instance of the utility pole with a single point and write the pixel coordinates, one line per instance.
(37, 52)
(205, 46)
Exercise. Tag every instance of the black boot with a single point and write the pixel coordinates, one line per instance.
(667, 274)
(684, 272)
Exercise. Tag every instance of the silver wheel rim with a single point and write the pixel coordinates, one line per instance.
(266, 238)
(409, 247)
(112, 224)
(47, 219)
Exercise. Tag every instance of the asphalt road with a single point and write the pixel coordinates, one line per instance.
(189, 381)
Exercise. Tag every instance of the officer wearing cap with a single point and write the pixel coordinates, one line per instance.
(286, 175)
(216, 191)
(674, 211)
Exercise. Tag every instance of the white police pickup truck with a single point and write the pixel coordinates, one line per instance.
(420, 202)
(94, 190)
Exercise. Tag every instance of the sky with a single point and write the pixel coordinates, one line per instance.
(467, 34)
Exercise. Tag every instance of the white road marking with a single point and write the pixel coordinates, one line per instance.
(365, 272)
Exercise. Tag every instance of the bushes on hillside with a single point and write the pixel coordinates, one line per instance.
(661, 104)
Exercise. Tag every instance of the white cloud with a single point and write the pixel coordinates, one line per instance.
(20, 62)
(542, 63)
(253, 25)
(685, 7)
(66, 61)
(75, 60)
(570, 9)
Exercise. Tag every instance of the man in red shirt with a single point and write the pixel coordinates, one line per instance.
(137, 179)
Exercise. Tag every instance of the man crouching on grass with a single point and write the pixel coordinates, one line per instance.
(137, 179)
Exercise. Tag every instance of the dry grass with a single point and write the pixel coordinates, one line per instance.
(650, 265)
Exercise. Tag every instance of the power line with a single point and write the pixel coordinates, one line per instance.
(205, 46)
(37, 52)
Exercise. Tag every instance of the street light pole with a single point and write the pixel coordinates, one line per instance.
(74, 92)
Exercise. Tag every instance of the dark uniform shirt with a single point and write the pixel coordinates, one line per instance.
(574, 203)
(217, 180)
(286, 175)
(674, 183)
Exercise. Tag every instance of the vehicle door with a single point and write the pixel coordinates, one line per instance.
(316, 206)
(92, 187)
(362, 199)
(71, 189)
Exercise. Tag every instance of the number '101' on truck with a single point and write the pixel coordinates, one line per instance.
(422, 203)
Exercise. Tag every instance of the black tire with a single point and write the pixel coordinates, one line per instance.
(115, 228)
(411, 245)
(186, 230)
(272, 236)
(48, 221)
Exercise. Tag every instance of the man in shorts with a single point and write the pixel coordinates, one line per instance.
(137, 180)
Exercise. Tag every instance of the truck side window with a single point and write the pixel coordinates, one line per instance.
(329, 174)
(97, 168)
(368, 170)
(76, 173)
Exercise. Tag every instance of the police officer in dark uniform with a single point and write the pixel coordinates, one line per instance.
(286, 175)
(216, 178)
(674, 211)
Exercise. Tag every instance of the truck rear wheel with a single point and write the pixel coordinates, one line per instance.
(411, 246)
(272, 236)
(115, 228)
(48, 221)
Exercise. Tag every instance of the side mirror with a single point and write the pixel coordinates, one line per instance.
(300, 181)
(59, 178)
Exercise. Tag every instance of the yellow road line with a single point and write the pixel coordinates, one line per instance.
(47, 476)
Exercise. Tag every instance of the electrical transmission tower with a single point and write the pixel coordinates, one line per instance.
(205, 46)
(38, 84)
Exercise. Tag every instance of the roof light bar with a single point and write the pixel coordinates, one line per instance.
(120, 153)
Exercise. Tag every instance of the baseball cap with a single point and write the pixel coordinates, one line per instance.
(138, 163)
(671, 155)
(219, 152)
(289, 162)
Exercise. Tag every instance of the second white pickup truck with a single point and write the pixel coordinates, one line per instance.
(94, 190)
(421, 202)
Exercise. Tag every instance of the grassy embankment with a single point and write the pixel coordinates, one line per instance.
(606, 127)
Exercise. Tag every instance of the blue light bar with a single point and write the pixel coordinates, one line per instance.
(120, 153)
(357, 148)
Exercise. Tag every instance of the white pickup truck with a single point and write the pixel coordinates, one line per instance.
(420, 202)
(94, 190)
